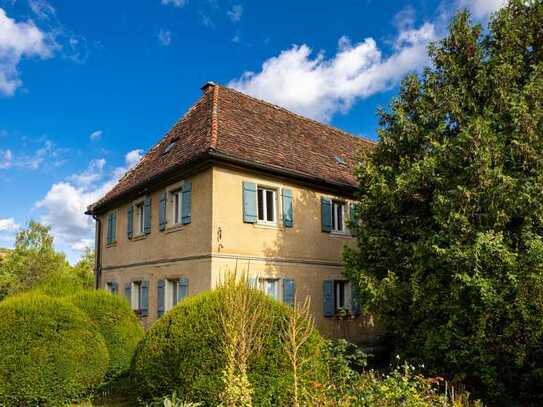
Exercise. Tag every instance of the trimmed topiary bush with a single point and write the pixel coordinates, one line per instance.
(182, 352)
(60, 284)
(116, 322)
(50, 352)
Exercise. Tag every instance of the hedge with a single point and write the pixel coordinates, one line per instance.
(116, 322)
(181, 352)
(50, 352)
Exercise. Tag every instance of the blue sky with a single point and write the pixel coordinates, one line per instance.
(87, 87)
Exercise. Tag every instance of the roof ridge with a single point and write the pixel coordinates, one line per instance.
(367, 140)
(214, 119)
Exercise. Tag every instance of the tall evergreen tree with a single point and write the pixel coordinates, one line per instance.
(450, 219)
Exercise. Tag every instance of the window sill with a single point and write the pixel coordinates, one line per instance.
(341, 235)
(262, 225)
(111, 245)
(139, 237)
(174, 228)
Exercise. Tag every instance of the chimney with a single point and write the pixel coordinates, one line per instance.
(208, 85)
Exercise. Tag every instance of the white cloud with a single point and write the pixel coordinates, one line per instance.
(235, 13)
(319, 87)
(164, 37)
(175, 3)
(42, 9)
(8, 224)
(19, 40)
(6, 159)
(96, 135)
(482, 8)
(65, 203)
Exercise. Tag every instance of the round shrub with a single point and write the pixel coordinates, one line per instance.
(61, 283)
(50, 353)
(182, 352)
(116, 322)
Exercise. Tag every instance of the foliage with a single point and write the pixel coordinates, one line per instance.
(51, 352)
(117, 323)
(450, 220)
(33, 259)
(182, 352)
(34, 263)
(172, 401)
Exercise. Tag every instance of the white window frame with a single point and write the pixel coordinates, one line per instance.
(171, 289)
(135, 295)
(347, 300)
(138, 226)
(177, 212)
(335, 223)
(264, 288)
(274, 191)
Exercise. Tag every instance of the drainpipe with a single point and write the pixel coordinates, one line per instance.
(98, 252)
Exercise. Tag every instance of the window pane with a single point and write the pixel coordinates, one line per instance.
(176, 207)
(270, 287)
(270, 216)
(260, 204)
(334, 216)
(340, 217)
(174, 292)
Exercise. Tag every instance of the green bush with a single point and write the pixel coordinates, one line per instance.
(50, 351)
(182, 353)
(116, 322)
(61, 283)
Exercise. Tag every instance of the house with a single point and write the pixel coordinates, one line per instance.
(242, 185)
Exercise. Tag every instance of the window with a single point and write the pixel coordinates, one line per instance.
(111, 287)
(140, 222)
(338, 218)
(171, 294)
(340, 294)
(176, 207)
(111, 228)
(270, 286)
(136, 295)
(266, 205)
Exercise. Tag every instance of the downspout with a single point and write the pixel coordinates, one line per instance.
(98, 252)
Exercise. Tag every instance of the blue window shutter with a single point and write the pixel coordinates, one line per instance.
(162, 210)
(328, 298)
(183, 290)
(130, 222)
(289, 290)
(326, 215)
(186, 202)
(355, 299)
(288, 219)
(128, 293)
(249, 202)
(160, 297)
(114, 227)
(144, 298)
(108, 229)
(147, 215)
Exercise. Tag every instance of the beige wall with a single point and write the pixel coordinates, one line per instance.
(196, 271)
(189, 240)
(304, 240)
(218, 241)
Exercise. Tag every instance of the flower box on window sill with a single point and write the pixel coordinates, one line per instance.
(344, 314)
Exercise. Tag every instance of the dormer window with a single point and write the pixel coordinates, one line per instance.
(170, 145)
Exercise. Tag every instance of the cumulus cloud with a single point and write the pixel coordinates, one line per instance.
(19, 40)
(8, 224)
(482, 8)
(175, 3)
(235, 13)
(65, 203)
(96, 135)
(319, 87)
(6, 159)
(164, 37)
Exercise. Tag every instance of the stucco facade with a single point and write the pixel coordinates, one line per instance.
(218, 241)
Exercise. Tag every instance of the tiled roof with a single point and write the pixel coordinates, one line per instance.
(228, 123)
